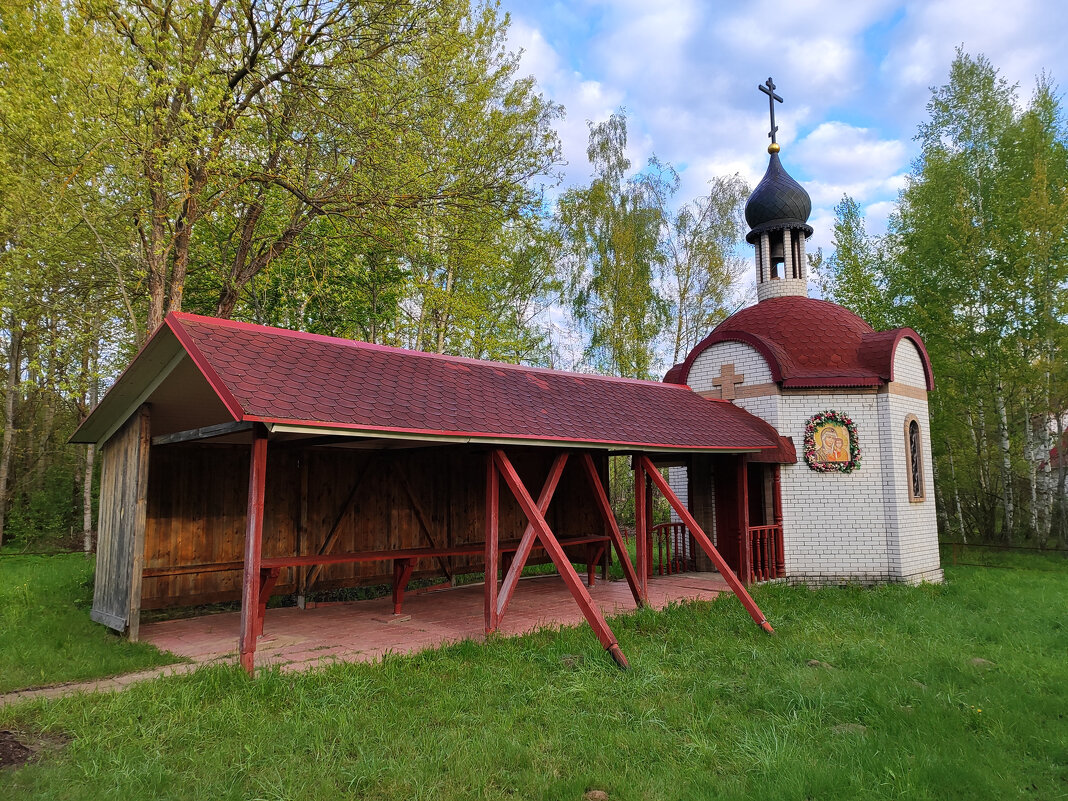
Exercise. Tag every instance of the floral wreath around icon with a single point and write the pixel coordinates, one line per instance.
(822, 418)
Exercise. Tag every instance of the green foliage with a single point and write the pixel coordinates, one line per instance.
(46, 636)
(851, 276)
(612, 229)
(896, 706)
(976, 260)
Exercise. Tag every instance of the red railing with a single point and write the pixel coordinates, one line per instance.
(766, 552)
(674, 549)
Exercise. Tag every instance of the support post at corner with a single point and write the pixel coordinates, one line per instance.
(250, 589)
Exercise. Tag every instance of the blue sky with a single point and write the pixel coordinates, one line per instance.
(855, 77)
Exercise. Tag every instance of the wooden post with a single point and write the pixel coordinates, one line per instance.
(780, 548)
(703, 540)
(250, 589)
(492, 552)
(559, 556)
(649, 527)
(745, 558)
(641, 535)
(140, 520)
(302, 530)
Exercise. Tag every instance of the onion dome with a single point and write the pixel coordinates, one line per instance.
(778, 202)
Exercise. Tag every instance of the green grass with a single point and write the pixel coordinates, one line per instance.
(46, 636)
(712, 708)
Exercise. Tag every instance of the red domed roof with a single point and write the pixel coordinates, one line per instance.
(810, 343)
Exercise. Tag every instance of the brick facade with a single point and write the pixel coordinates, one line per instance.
(852, 527)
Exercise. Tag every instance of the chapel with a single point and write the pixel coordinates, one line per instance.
(859, 504)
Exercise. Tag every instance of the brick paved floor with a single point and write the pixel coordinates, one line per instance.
(296, 639)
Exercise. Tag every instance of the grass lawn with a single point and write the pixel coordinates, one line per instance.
(46, 636)
(896, 705)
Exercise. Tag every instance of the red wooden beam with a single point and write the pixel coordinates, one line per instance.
(603, 505)
(780, 552)
(745, 554)
(250, 583)
(492, 553)
(705, 543)
(641, 533)
(556, 553)
(526, 543)
(402, 574)
(268, 578)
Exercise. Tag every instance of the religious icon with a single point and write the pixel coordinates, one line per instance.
(832, 443)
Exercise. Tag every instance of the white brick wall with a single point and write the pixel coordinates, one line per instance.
(908, 365)
(782, 287)
(745, 358)
(866, 529)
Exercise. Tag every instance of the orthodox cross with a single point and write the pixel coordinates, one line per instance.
(727, 381)
(768, 88)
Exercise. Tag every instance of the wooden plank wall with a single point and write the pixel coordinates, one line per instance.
(121, 525)
(198, 495)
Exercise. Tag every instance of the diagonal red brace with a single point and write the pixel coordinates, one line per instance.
(705, 543)
(556, 553)
(519, 560)
(605, 508)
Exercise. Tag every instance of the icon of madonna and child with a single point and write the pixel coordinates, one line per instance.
(832, 443)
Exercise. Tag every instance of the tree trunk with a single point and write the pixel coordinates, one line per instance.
(90, 458)
(956, 493)
(7, 449)
(1006, 463)
(1060, 504)
(1033, 458)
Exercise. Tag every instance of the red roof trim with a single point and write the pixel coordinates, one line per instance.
(489, 435)
(173, 321)
(680, 373)
(910, 334)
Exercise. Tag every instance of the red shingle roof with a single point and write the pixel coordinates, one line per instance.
(810, 343)
(277, 376)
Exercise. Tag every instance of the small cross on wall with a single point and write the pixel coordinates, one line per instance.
(727, 381)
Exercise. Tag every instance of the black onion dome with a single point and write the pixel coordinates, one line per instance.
(778, 202)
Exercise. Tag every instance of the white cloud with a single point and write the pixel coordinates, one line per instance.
(855, 78)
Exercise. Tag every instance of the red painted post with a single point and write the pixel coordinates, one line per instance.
(649, 525)
(641, 534)
(745, 557)
(492, 551)
(250, 582)
(706, 544)
(601, 498)
(402, 574)
(780, 548)
(519, 559)
(556, 553)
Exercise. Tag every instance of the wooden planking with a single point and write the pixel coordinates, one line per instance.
(198, 498)
(121, 525)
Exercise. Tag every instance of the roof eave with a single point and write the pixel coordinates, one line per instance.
(485, 438)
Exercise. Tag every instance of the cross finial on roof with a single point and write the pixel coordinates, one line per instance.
(768, 88)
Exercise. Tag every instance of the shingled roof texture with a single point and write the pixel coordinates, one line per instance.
(283, 376)
(809, 343)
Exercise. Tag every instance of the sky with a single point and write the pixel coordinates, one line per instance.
(855, 78)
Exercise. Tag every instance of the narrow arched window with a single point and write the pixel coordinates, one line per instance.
(914, 459)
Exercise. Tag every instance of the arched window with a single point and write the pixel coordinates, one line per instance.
(914, 459)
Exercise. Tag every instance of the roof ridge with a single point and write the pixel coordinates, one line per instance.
(360, 344)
